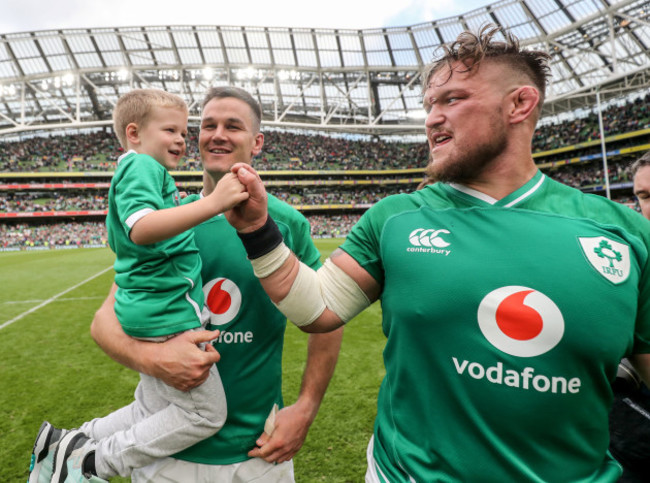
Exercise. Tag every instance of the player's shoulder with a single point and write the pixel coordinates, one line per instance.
(431, 196)
(573, 202)
(281, 211)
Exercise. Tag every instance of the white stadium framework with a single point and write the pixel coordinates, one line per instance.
(364, 81)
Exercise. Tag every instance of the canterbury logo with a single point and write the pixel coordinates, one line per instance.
(428, 238)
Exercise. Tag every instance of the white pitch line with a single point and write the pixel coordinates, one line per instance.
(52, 299)
(68, 299)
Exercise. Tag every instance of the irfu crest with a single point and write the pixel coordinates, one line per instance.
(611, 259)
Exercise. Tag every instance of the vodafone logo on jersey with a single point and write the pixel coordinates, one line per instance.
(222, 300)
(520, 321)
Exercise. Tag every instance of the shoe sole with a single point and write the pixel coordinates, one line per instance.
(63, 451)
(40, 450)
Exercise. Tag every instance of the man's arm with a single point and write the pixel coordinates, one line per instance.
(178, 362)
(293, 422)
(344, 281)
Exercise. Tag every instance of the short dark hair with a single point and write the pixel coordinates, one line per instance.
(224, 92)
(470, 49)
(640, 163)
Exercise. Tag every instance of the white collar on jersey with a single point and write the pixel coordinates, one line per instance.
(488, 199)
(130, 151)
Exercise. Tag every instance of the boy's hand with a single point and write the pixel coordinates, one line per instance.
(229, 192)
(251, 214)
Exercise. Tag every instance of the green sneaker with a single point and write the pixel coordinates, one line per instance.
(41, 467)
(69, 458)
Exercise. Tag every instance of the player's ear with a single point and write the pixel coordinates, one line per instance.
(258, 142)
(523, 102)
(132, 133)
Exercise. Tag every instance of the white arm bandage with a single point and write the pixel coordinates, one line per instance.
(313, 291)
(269, 263)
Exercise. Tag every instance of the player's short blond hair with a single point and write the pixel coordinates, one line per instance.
(136, 106)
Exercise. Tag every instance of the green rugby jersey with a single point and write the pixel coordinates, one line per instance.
(498, 366)
(252, 331)
(159, 285)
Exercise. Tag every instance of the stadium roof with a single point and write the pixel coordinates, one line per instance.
(365, 81)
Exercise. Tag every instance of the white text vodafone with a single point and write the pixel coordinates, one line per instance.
(525, 379)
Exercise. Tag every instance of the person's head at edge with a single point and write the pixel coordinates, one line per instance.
(641, 176)
(483, 98)
(229, 132)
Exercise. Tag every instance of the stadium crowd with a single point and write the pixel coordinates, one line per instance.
(617, 119)
(91, 233)
(74, 201)
(67, 234)
(581, 176)
(92, 151)
(98, 151)
(55, 201)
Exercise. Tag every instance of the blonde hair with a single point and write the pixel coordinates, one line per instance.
(136, 106)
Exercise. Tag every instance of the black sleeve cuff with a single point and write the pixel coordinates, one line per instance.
(261, 241)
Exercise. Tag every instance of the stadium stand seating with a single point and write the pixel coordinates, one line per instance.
(53, 186)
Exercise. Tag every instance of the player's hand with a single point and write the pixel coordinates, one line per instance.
(291, 426)
(250, 214)
(180, 363)
(228, 192)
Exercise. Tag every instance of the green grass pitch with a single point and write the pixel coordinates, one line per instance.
(50, 368)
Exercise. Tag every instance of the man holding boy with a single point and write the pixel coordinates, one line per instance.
(252, 330)
(159, 295)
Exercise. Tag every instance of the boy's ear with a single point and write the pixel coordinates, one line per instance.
(132, 133)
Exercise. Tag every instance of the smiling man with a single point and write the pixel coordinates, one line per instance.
(499, 351)
(252, 329)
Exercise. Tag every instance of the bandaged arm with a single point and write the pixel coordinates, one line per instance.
(316, 301)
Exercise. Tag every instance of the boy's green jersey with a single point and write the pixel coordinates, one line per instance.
(505, 323)
(159, 285)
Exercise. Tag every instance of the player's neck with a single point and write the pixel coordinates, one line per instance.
(501, 179)
(210, 181)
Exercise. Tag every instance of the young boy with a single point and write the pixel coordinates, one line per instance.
(160, 294)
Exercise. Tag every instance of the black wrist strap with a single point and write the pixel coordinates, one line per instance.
(261, 241)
